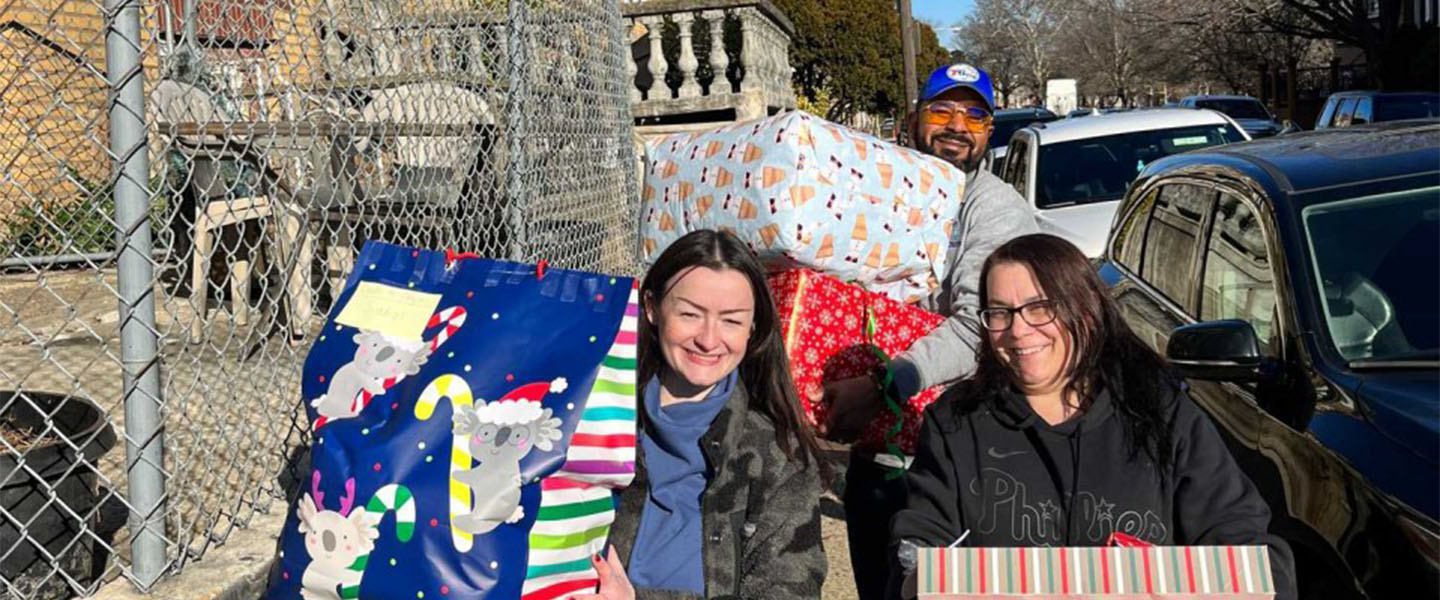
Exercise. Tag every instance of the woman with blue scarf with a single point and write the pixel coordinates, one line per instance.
(725, 502)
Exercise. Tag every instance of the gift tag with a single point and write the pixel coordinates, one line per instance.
(392, 311)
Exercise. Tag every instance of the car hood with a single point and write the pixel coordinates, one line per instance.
(1085, 225)
(1405, 406)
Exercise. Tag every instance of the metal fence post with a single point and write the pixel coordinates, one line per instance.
(138, 334)
(516, 126)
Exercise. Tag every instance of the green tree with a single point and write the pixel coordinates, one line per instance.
(849, 50)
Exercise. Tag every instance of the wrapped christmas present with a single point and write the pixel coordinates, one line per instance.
(1149, 572)
(834, 330)
(471, 419)
(804, 192)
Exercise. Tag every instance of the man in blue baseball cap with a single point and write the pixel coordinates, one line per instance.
(955, 116)
(952, 121)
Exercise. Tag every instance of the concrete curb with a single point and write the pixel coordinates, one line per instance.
(234, 571)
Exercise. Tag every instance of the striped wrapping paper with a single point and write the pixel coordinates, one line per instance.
(1236, 572)
(576, 503)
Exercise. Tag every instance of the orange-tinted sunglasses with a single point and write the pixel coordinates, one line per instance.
(976, 120)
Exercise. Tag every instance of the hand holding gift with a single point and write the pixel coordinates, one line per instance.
(853, 404)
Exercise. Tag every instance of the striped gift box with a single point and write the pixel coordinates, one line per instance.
(576, 503)
(1238, 572)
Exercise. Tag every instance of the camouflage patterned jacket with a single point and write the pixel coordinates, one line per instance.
(761, 513)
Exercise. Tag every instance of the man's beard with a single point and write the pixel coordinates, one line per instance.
(967, 165)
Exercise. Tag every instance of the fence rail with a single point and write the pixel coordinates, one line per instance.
(185, 184)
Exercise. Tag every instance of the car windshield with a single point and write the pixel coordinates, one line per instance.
(1395, 108)
(1237, 108)
(1101, 168)
(1004, 128)
(1380, 296)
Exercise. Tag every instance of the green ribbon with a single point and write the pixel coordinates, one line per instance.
(891, 402)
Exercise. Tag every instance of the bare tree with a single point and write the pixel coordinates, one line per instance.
(1016, 40)
(1399, 51)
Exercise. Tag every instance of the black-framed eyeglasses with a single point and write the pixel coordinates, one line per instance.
(1035, 313)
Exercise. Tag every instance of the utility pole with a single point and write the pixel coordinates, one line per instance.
(907, 47)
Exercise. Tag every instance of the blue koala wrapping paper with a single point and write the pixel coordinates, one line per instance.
(476, 461)
(804, 192)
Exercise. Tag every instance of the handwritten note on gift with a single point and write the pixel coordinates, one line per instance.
(393, 311)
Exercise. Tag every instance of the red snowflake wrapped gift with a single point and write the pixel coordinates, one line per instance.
(823, 323)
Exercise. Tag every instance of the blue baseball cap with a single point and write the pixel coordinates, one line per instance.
(950, 77)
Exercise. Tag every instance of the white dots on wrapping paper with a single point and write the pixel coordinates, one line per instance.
(322, 338)
(282, 554)
(467, 368)
(411, 284)
(429, 459)
(339, 327)
(494, 316)
(592, 339)
(372, 267)
(494, 565)
(450, 354)
(365, 431)
(570, 406)
(320, 441)
(392, 562)
(421, 445)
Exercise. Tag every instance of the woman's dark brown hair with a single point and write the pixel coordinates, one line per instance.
(765, 370)
(1104, 352)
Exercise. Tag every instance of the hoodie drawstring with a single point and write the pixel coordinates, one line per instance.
(1074, 479)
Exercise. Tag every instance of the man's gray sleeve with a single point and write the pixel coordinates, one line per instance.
(991, 217)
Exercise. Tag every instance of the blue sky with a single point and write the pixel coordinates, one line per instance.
(942, 14)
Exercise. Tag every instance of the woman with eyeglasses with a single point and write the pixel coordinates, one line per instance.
(1071, 429)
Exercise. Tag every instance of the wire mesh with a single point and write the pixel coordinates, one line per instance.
(278, 136)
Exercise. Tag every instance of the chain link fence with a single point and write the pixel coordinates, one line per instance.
(185, 185)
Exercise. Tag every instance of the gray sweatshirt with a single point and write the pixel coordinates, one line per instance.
(993, 213)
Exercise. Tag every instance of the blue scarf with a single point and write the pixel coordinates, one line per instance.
(667, 552)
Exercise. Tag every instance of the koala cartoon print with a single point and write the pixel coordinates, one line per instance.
(378, 364)
(339, 542)
(497, 435)
(377, 358)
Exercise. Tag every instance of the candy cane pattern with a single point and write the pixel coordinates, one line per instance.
(394, 497)
(452, 318)
(453, 387)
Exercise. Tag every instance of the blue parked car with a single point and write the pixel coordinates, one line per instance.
(1295, 282)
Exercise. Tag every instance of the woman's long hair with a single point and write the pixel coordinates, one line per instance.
(765, 370)
(1104, 352)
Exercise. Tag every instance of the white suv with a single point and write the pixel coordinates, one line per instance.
(1073, 172)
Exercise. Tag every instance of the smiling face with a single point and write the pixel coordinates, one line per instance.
(953, 142)
(1035, 356)
(703, 325)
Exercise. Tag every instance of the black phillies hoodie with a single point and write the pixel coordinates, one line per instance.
(992, 466)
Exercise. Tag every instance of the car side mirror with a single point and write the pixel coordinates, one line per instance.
(1224, 350)
(1288, 127)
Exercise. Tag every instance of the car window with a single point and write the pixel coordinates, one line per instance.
(1017, 165)
(1236, 108)
(1130, 235)
(1395, 108)
(1327, 117)
(1342, 113)
(1172, 240)
(1362, 112)
(1000, 137)
(1378, 298)
(1098, 169)
(1237, 283)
